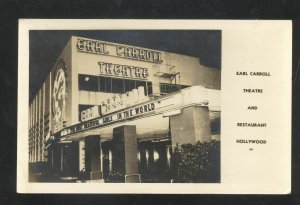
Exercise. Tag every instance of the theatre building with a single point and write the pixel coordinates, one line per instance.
(108, 109)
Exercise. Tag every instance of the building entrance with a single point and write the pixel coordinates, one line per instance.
(154, 160)
(63, 159)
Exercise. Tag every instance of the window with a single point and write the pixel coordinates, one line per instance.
(117, 85)
(88, 82)
(110, 85)
(142, 83)
(170, 88)
(174, 88)
(164, 88)
(215, 126)
(149, 85)
(107, 85)
(102, 84)
(129, 85)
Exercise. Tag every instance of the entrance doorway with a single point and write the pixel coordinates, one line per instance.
(154, 160)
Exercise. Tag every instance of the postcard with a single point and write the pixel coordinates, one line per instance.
(154, 106)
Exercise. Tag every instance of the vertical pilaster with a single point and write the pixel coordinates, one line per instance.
(81, 155)
(125, 152)
(35, 128)
(190, 126)
(29, 133)
(202, 123)
(92, 157)
(39, 127)
(43, 123)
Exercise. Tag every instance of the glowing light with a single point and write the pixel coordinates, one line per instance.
(86, 78)
(139, 156)
(168, 156)
(147, 155)
(110, 160)
(155, 155)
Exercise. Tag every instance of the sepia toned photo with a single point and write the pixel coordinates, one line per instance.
(154, 106)
(124, 106)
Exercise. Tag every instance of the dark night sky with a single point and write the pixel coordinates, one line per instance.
(46, 46)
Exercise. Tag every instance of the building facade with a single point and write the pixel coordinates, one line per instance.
(108, 107)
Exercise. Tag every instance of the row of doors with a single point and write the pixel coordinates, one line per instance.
(153, 159)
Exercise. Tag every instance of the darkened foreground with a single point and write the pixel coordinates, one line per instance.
(199, 163)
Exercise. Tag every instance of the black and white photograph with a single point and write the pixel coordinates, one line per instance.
(124, 106)
(154, 106)
(150, 102)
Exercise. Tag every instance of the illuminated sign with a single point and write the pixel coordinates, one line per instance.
(118, 116)
(121, 101)
(167, 105)
(140, 54)
(90, 113)
(123, 70)
(129, 52)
